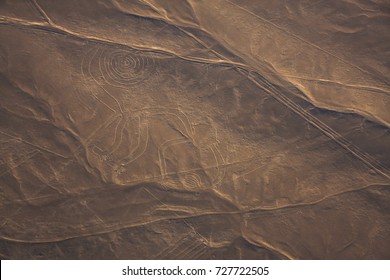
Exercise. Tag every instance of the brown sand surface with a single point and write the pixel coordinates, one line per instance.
(194, 129)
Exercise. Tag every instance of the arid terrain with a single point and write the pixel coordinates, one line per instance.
(194, 129)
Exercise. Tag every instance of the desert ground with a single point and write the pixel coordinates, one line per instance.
(194, 129)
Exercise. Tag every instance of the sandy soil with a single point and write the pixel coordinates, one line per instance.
(218, 129)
